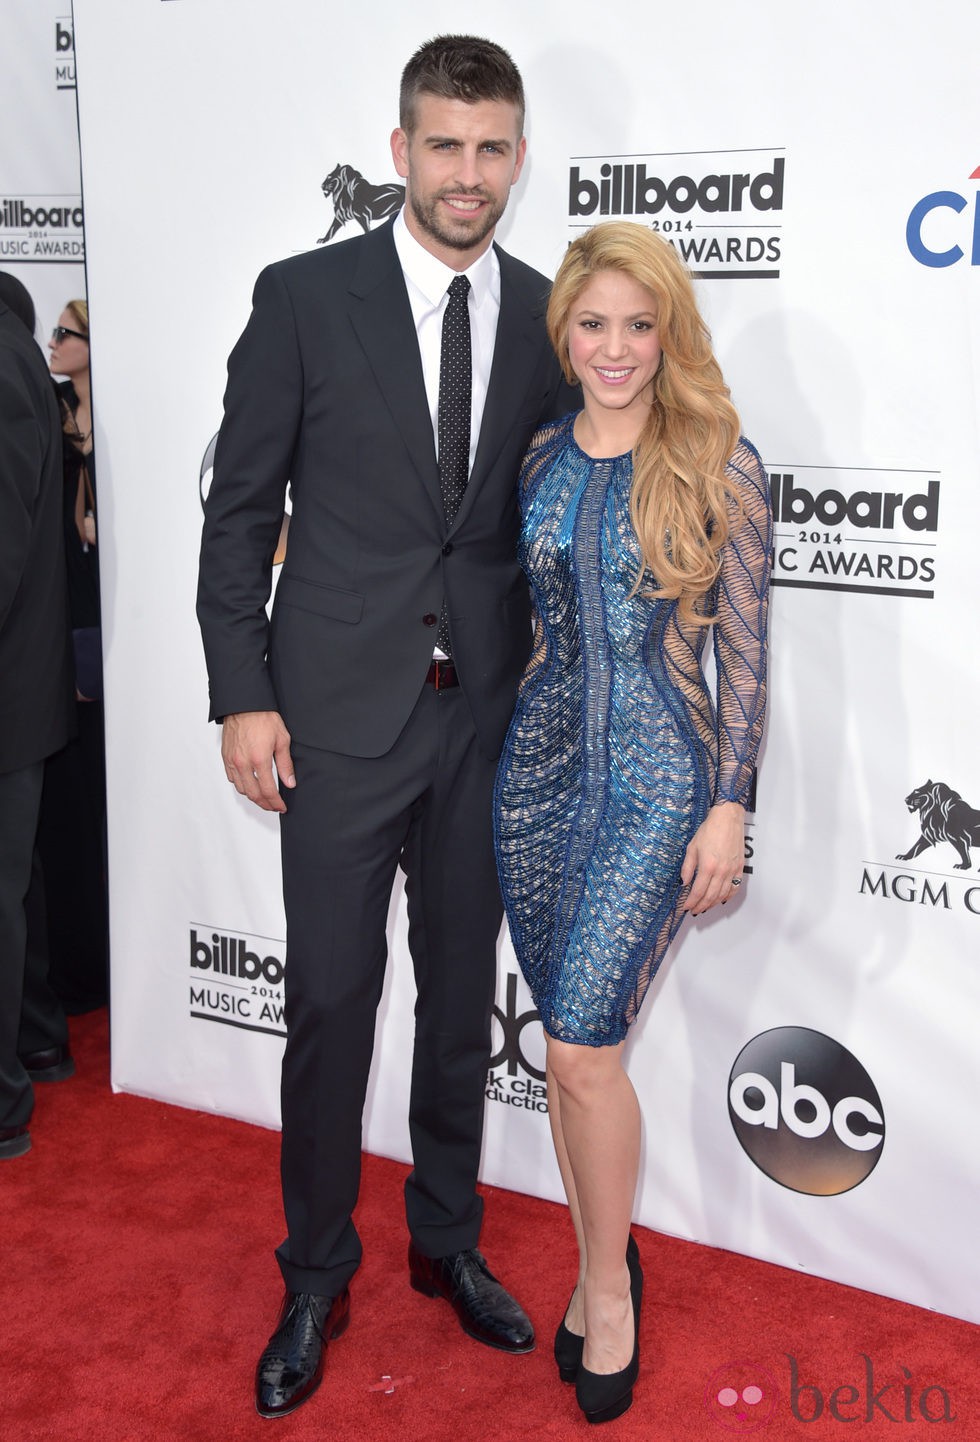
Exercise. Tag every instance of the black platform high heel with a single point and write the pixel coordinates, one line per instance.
(569, 1345)
(604, 1396)
(568, 1349)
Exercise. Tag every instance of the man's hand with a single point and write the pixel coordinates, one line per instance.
(714, 859)
(250, 742)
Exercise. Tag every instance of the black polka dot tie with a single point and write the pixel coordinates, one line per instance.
(455, 390)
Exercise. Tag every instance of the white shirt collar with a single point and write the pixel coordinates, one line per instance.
(432, 276)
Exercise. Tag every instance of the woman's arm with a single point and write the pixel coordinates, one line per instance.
(715, 856)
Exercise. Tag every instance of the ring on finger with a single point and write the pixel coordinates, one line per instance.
(736, 881)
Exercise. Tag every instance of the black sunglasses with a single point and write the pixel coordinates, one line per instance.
(60, 331)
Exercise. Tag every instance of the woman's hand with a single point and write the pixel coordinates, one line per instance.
(714, 859)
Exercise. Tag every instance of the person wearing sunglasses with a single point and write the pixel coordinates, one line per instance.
(72, 833)
(69, 349)
(62, 332)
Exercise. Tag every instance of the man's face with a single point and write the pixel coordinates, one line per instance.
(459, 163)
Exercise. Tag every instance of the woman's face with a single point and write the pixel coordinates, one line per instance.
(69, 354)
(613, 342)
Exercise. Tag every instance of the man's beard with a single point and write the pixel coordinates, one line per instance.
(466, 235)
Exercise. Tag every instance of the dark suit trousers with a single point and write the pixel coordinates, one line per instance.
(426, 804)
(31, 1017)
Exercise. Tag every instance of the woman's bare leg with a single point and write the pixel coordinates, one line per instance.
(597, 1122)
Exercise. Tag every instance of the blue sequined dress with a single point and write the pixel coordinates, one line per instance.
(616, 750)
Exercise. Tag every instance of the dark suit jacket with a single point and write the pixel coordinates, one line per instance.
(325, 392)
(36, 693)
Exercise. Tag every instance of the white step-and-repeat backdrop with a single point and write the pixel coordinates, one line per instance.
(42, 240)
(807, 1060)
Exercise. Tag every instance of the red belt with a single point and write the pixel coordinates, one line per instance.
(442, 675)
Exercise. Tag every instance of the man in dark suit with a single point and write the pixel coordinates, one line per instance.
(399, 412)
(36, 705)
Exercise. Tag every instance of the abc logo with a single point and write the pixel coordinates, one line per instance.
(806, 1112)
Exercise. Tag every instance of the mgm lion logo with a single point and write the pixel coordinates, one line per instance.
(355, 198)
(944, 816)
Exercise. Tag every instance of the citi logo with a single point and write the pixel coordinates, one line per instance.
(873, 510)
(629, 189)
(230, 956)
(805, 1111)
(15, 214)
(930, 225)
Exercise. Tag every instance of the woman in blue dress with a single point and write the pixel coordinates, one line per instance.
(622, 786)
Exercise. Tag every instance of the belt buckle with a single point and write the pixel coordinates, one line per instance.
(437, 679)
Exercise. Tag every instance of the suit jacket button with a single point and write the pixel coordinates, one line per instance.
(429, 619)
(447, 549)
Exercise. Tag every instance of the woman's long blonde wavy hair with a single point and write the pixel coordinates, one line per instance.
(680, 499)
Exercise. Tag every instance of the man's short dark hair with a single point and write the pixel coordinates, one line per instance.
(17, 297)
(460, 67)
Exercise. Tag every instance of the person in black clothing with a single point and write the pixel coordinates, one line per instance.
(35, 707)
(393, 382)
(72, 830)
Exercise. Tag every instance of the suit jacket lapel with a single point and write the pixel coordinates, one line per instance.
(515, 356)
(382, 320)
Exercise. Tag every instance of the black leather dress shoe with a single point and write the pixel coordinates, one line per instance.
(291, 1367)
(54, 1063)
(485, 1311)
(14, 1142)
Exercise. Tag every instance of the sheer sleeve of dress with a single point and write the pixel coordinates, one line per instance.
(540, 453)
(740, 631)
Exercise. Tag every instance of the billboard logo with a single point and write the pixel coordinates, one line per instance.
(720, 210)
(64, 53)
(861, 530)
(42, 228)
(237, 979)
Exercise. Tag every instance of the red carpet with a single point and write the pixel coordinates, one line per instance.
(138, 1287)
